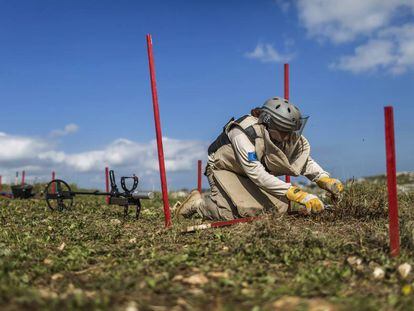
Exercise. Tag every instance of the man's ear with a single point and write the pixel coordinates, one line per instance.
(255, 112)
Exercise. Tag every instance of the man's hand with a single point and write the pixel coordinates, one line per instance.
(333, 186)
(311, 202)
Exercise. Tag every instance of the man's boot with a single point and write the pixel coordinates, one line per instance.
(189, 207)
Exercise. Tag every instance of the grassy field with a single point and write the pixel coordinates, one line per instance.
(92, 258)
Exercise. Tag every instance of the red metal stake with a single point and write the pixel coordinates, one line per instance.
(23, 177)
(286, 96)
(199, 176)
(392, 181)
(107, 183)
(232, 222)
(158, 133)
(53, 185)
(286, 72)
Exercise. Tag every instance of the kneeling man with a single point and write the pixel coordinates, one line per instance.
(245, 160)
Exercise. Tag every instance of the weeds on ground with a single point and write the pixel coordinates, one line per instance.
(93, 258)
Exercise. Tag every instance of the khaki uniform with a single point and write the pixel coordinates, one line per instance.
(242, 168)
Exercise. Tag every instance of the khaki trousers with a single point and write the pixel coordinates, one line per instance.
(219, 206)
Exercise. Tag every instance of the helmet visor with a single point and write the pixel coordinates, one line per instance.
(302, 123)
(273, 126)
(295, 135)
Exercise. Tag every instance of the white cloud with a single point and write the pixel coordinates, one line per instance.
(391, 51)
(403, 40)
(266, 53)
(68, 129)
(35, 155)
(373, 55)
(387, 38)
(341, 21)
(19, 148)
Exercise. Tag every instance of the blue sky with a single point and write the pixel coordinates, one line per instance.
(75, 92)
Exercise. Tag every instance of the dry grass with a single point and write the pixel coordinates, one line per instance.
(108, 262)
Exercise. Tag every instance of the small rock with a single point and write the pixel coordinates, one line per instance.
(247, 291)
(133, 241)
(115, 222)
(327, 263)
(196, 279)
(50, 228)
(404, 270)
(62, 246)
(225, 249)
(378, 273)
(318, 304)
(354, 261)
(218, 275)
(56, 276)
(131, 306)
(286, 303)
(71, 288)
(90, 294)
(47, 294)
(297, 303)
(182, 302)
(196, 291)
(48, 262)
(177, 277)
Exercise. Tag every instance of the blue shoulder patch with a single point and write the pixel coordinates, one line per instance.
(252, 156)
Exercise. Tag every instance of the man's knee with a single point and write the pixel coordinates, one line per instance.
(211, 211)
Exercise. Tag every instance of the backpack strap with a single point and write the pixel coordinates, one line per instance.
(223, 139)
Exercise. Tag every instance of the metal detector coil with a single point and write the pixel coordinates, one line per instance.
(59, 196)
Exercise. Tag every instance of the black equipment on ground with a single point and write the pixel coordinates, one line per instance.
(22, 191)
(59, 196)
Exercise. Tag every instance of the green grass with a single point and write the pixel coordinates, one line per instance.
(107, 262)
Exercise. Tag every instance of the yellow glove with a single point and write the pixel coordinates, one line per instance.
(311, 202)
(334, 186)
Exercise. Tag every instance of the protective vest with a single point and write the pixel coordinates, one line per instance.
(287, 159)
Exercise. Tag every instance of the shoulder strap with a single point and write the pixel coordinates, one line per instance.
(247, 128)
(220, 141)
(223, 139)
(241, 119)
(251, 134)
